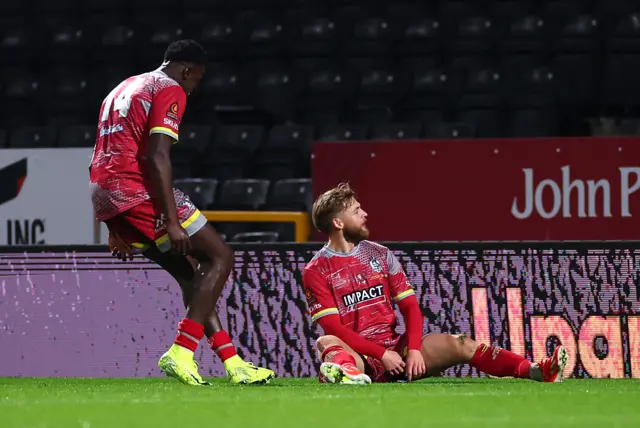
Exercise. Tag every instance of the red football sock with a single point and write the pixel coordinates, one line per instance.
(189, 334)
(337, 354)
(221, 344)
(500, 362)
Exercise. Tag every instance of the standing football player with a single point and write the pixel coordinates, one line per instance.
(349, 286)
(131, 191)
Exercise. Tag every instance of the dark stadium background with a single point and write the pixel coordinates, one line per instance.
(284, 74)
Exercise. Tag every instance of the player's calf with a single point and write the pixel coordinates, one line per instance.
(442, 351)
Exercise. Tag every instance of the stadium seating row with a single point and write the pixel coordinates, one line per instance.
(266, 29)
(283, 151)
(250, 195)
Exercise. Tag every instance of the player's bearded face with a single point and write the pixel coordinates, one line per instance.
(355, 224)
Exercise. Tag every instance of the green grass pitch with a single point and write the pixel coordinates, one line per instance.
(304, 403)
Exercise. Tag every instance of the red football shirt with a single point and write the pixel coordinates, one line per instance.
(359, 286)
(137, 108)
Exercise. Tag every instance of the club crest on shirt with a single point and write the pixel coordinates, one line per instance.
(173, 111)
(309, 295)
(375, 265)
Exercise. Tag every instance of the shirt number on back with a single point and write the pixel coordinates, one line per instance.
(122, 104)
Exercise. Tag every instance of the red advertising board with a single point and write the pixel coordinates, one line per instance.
(490, 190)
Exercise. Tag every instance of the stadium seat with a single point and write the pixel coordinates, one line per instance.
(452, 130)
(155, 33)
(243, 194)
(378, 82)
(578, 34)
(474, 35)
(255, 237)
(226, 84)
(231, 150)
(202, 191)
(312, 33)
(350, 132)
(23, 85)
(528, 82)
(326, 84)
(293, 194)
(117, 45)
(71, 93)
(370, 34)
(220, 36)
(285, 152)
(484, 87)
(626, 34)
(262, 33)
(65, 42)
(78, 136)
(15, 47)
(276, 89)
(396, 131)
(193, 144)
(33, 137)
(420, 33)
(527, 33)
(229, 230)
(431, 86)
(460, 67)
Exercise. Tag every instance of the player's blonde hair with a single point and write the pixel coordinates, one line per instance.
(330, 204)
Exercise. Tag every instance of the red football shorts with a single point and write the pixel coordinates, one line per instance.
(145, 225)
(375, 369)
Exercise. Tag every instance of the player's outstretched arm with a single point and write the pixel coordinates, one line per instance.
(402, 293)
(410, 309)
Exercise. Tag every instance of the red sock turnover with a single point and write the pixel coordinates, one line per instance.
(221, 344)
(500, 362)
(337, 354)
(189, 334)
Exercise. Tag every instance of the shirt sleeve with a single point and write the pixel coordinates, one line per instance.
(166, 112)
(319, 298)
(332, 325)
(399, 284)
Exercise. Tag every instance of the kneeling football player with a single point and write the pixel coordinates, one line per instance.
(349, 286)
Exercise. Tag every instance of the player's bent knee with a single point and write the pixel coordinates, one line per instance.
(468, 346)
(324, 342)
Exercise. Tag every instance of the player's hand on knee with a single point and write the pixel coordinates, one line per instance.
(180, 241)
(393, 362)
(416, 367)
(119, 248)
